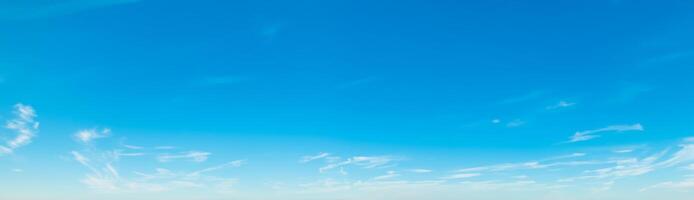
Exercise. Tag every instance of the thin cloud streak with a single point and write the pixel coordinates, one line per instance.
(596, 133)
(24, 126)
(193, 156)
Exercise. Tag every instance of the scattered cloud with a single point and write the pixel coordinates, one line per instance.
(533, 165)
(232, 164)
(194, 156)
(592, 134)
(561, 104)
(86, 136)
(24, 126)
(623, 151)
(624, 168)
(690, 167)
(687, 185)
(510, 124)
(133, 147)
(388, 175)
(573, 155)
(461, 176)
(420, 171)
(366, 162)
(307, 159)
(103, 173)
(684, 155)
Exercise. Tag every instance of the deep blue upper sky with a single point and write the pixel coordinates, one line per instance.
(410, 86)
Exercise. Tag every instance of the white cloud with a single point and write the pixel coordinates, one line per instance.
(684, 155)
(104, 175)
(505, 167)
(622, 168)
(421, 171)
(690, 167)
(236, 163)
(561, 104)
(515, 185)
(366, 162)
(133, 147)
(307, 159)
(80, 158)
(573, 155)
(388, 175)
(533, 165)
(17, 170)
(687, 185)
(100, 183)
(461, 176)
(87, 136)
(194, 156)
(623, 151)
(592, 134)
(24, 126)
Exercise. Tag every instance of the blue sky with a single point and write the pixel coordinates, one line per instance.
(368, 100)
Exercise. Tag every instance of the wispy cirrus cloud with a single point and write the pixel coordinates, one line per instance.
(595, 133)
(232, 164)
(573, 155)
(193, 156)
(684, 185)
(684, 155)
(24, 127)
(365, 162)
(388, 175)
(103, 173)
(623, 151)
(510, 124)
(690, 167)
(87, 136)
(561, 104)
(420, 171)
(307, 159)
(573, 170)
(461, 176)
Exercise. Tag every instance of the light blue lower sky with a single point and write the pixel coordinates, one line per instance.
(346, 100)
